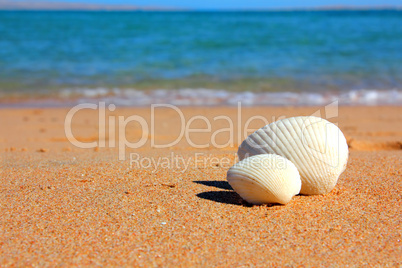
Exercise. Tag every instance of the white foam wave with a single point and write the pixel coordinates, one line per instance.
(209, 97)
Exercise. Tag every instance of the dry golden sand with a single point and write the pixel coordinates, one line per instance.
(61, 205)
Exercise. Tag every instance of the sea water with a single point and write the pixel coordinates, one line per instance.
(203, 58)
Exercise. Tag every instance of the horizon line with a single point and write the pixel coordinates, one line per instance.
(6, 5)
(172, 9)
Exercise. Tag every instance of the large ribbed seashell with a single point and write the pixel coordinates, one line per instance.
(265, 178)
(316, 147)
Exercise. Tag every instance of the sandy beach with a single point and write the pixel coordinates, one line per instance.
(63, 205)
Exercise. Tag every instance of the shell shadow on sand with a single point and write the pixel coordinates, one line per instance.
(226, 197)
(218, 184)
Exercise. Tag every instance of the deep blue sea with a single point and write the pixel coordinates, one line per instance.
(293, 52)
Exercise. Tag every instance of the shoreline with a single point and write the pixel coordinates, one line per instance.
(189, 97)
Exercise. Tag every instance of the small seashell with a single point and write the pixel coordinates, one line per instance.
(316, 146)
(265, 178)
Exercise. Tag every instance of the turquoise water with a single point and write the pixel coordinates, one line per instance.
(47, 52)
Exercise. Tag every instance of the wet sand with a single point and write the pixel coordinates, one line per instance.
(62, 205)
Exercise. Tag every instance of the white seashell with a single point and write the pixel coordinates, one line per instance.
(316, 146)
(265, 178)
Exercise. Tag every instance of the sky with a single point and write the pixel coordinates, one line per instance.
(242, 4)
